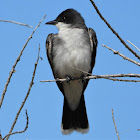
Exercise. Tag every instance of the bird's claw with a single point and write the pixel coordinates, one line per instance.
(83, 78)
(68, 79)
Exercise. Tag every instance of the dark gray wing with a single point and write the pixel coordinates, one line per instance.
(94, 43)
(49, 51)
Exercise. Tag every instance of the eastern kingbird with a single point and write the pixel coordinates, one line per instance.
(73, 47)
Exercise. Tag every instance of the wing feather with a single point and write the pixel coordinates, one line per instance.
(49, 51)
(94, 43)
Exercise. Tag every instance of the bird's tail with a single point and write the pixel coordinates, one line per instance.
(74, 120)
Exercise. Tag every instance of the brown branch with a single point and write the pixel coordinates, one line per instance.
(89, 77)
(133, 45)
(22, 24)
(17, 60)
(31, 84)
(115, 125)
(122, 41)
(123, 56)
(121, 80)
(114, 76)
(109, 77)
(18, 132)
(138, 129)
(99, 77)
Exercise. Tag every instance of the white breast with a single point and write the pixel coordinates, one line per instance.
(74, 52)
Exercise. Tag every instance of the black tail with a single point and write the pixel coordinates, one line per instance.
(75, 120)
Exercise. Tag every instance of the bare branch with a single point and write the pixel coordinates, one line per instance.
(18, 59)
(108, 77)
(122, 80)
(122, 75)
(122, 41)
(89, 77)
(18, 132)
(22, 24)
(31, 84)
(138, 129)
(133, 45)
(115, 125)
(123, 56)
(99, 77)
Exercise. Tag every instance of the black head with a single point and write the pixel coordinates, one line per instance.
(71, 17)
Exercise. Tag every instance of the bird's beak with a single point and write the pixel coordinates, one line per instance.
(54, 22)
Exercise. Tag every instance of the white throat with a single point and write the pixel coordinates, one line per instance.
(62, 26)
(70, 34)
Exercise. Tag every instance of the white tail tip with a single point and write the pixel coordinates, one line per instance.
(69, 131)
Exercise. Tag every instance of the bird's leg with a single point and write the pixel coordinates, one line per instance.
(69, 78)
(82, 77)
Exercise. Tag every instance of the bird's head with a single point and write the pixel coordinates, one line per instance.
(69, 18)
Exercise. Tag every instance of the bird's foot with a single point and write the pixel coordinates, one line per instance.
(83, 78)
(69, 78)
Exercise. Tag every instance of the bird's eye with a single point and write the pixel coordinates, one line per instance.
(64, 18)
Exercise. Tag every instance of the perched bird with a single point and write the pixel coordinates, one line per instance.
(73, 47)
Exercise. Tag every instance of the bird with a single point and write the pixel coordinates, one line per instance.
(73, 47)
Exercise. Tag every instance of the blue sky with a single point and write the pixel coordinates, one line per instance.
(45, 101)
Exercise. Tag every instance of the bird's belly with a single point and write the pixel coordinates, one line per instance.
(73, 91)
(64, 66)
(73, 53)
(67, 61)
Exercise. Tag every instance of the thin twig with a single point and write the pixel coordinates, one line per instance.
(111, 75)
(115, 125)
(123, 56)
(133, 45)
(122, 41)
(99, 77)
(31, 84)
(122, 75)
(22, 24)
(18, 59)
(138, 129)
(27, 122)
(122, 80)
(114, 76)
(89, 77)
